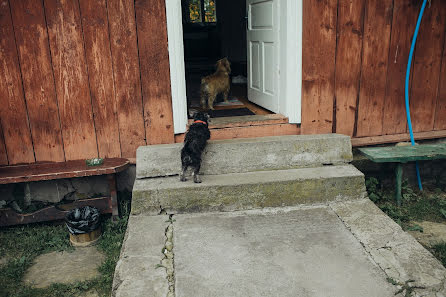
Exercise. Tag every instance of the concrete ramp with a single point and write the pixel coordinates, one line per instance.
(340, 249)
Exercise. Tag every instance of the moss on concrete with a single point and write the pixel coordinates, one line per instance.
(247, 196)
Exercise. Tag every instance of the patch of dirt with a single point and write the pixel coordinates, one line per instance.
(91, 293)
(433, 233)
(64, 267)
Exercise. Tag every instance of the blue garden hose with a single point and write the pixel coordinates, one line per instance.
(409, 63)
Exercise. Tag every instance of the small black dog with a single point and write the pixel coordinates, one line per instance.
(194, 144)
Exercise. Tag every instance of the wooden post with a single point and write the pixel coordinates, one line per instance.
(399, 178)
(113, 195)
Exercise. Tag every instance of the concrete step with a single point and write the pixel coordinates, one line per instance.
(249, 190)
(249, 154)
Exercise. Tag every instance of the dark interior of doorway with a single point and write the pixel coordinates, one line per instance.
(213, 29)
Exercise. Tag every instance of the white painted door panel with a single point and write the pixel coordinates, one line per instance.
(262, 35)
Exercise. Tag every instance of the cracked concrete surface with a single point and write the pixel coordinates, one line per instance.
(137, 272)
(398, 254)
(338, 249)
(168, 260)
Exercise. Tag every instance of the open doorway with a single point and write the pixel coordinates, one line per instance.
(213, 29)
(247, 32)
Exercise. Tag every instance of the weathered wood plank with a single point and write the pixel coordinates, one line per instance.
(38, 83)
(59, 170)
(3, 155)
(155, 71)
(377, 27)
(318, 66)
(249, 132)
(71, 78)
(100, 69)
(426, 67)
(440, 112)
(13, 114)
(121, 16)
(381, 139)
(348, 63)
(405, 154)
(405, 15)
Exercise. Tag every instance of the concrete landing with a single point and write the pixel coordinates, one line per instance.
(339, 249)
(306, 252)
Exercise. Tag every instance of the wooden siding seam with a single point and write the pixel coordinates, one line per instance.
(88, 78)
(54, 80)
(2, 136)
(21, 82)
(114, 79)
(388, 63)
(140, 76)
(333, 126)
(364, 14)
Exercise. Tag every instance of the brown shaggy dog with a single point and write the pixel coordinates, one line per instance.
(215, 84)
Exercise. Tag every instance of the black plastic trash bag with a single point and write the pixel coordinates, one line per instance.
(82, 220)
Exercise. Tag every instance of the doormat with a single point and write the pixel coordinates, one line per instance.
(231, 102)
(230, 112)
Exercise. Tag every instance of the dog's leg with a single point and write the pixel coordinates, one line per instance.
(211, 100)
(183, 173)
(203, 98)
(225, 95)
(196, 173)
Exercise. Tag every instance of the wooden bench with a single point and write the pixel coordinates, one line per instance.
(60, 170)
(404, 154)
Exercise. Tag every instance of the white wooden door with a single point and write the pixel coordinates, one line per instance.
(263, 62)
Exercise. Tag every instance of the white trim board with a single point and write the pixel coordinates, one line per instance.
(176, 61)
(290, 77)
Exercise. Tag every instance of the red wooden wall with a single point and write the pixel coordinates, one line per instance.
(355, 55)
(87, 78)
(82, 78)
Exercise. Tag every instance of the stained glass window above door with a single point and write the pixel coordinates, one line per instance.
(202, 11)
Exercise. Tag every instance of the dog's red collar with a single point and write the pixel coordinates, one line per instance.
(201, 122)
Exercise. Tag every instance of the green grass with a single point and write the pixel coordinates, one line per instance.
(439, 251)
(22, 244)
(429, 205)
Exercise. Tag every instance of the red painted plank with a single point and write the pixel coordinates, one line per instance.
(318, 65)
(38, 83)
(121, 17)
(377, 29)
(100, 69)
(426, 67)
(13, 114)
(440, 112)
(3, 155)
(405, 15)
(70, 72)
(348, 63)
(155, 71)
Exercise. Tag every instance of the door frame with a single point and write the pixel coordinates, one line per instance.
(290, 61)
